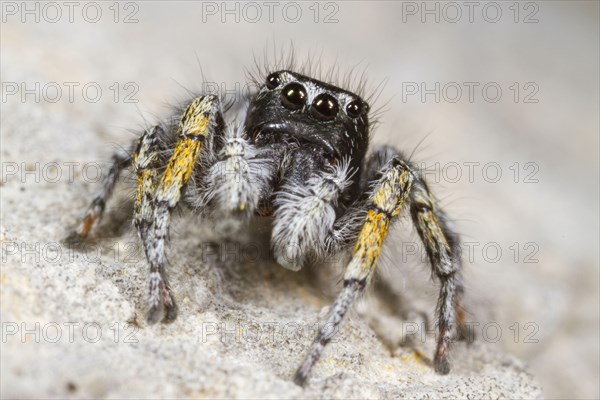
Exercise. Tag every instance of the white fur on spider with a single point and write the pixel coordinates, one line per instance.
(304, 216)
(235, 182)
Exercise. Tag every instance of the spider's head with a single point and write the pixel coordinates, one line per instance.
(295, 110)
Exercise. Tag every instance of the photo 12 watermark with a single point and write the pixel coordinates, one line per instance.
(68, 332)
(486, 331)
(454, 12)
(470, 92)
(52, 12)
(491, 252)
(253, 12)
(69, 92)
(517, 172)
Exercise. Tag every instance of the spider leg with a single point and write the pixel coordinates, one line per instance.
(145, 164)
(374, 165)
(120, 161)
(394, 183)
(305, 213)
(198, 122)
(389, 195)
(443, 249)
(345, 229)
(463, 331)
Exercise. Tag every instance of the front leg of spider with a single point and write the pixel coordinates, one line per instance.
(398, 185)
(197, 123)
(387, 200)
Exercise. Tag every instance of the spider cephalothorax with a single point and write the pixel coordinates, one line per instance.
(330, 121)
(298, 154)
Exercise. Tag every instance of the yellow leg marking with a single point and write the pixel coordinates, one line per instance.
(144, 162)
(192, 130)
(195, 118)
(180, 166)
(146, 184)
(389, 197)
(393, 191)
(370, 239)
(388, 200)
(432, 232)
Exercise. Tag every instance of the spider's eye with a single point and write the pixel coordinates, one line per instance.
(273, 80)
(354, 109)
(325, 107)
(293, 96)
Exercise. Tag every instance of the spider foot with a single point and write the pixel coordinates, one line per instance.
(441, 364)
(165, 309)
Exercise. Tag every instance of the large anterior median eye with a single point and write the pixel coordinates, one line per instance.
(293, 96)
(325, 107)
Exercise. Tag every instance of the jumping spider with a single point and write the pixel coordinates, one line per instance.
(299, 153)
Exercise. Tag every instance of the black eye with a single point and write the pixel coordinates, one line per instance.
(293, 96)
(354, 109)
(325, 107)
(273, 80)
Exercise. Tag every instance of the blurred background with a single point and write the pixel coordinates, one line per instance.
(499, 99)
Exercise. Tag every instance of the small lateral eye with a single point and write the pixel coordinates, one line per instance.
(273, 80)
(293, 96)
(354, 109)
(325, 107)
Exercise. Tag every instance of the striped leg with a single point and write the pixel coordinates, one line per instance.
(145, 165)
(120, 161)
(387, 200)
(198, 121)
(443, 250)
(398, 183)
(421, 195)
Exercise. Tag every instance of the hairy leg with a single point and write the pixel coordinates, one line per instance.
(120, 161)
(392, 182)
(145, 165)
(389, 195)
(443, 249)
(305, 214)
(442, 245)
(199, 121)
